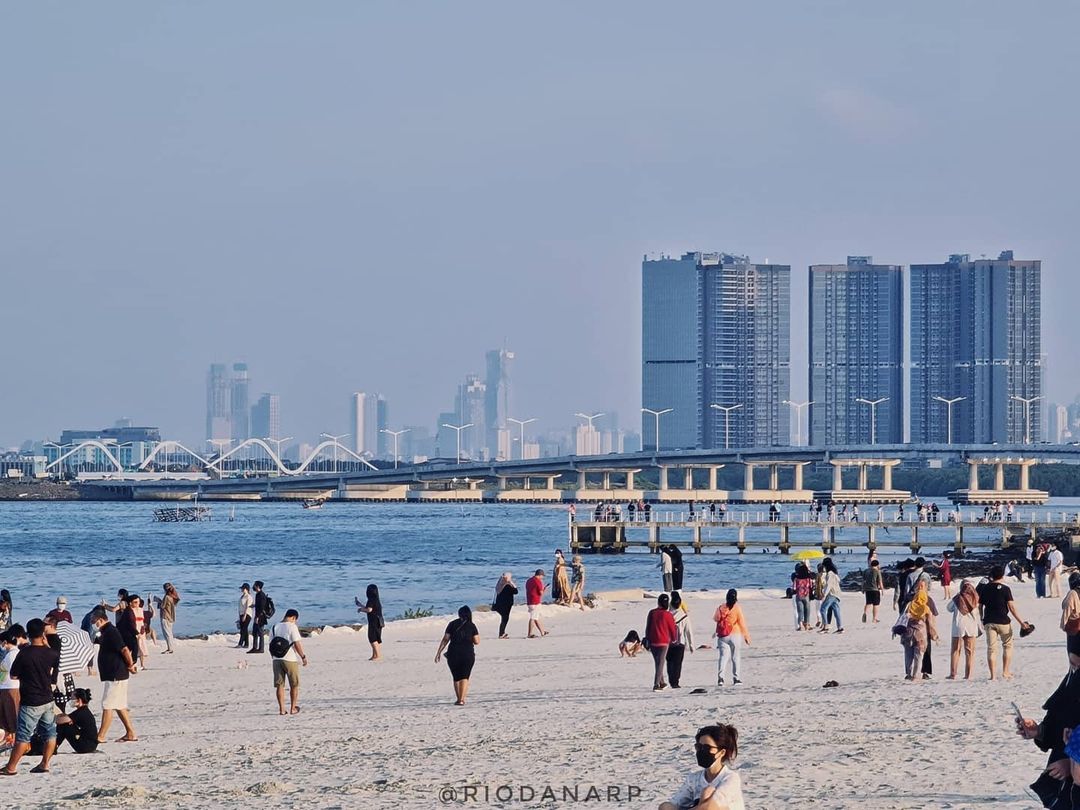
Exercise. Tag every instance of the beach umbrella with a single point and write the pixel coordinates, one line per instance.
(76, 649)
(808, 554)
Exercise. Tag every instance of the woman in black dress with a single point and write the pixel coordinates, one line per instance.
(505, 591)
(375, 622)
(462, 636)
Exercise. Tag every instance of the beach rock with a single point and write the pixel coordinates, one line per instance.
(270, 788)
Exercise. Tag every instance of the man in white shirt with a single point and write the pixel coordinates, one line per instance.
(1055, 559)
(288, 654)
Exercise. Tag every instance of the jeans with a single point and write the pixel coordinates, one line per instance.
(802, 609)
(830, 607)
(166, 630)
(730, 648)
(1040, 581)
(258, 640)
(675, 654)
(659, 654)
(245, 637)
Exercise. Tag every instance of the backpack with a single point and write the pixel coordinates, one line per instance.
(279, 647)
(725, 625)
(269, 607)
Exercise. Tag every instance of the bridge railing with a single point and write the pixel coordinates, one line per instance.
(1043, 517)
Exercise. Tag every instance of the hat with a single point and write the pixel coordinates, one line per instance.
(61, 600)
(245, 587)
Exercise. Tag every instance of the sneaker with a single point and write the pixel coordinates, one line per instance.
(720, 681)
(736, 680)
(841, 630)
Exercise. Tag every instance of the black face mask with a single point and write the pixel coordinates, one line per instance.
(705, 758)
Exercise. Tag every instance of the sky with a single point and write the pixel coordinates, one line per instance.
(368, 196)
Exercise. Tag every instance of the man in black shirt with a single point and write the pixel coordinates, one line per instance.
(258, 638)
(115, 664)
(997, 604)
(36, 667)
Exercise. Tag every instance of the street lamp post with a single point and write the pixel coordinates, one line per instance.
(521, 423)
(589, 418)
(873, 403)
(458, 429)
(395, 434)
(798, 406)
(948, 404)
(656, 416)
(336, 440)
(1027, 414)
(277, 446)
(727, 409)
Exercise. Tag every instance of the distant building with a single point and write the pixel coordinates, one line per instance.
(976, 333)
(715, 331)
(218, 403)
(856, 352)
(240, 409)
(1061, 432)
(471, 409)
(497, 403)
(266, 417)
(587, 440)
(130, 445)
(368, 417)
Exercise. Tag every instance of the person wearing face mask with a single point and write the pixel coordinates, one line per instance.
(1055, 786)
(716, 786)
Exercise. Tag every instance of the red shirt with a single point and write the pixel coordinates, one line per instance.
(534, 590)
(660, 627)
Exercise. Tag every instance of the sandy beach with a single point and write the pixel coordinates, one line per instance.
(567, 711)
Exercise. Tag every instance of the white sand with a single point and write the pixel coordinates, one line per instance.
(566, 710)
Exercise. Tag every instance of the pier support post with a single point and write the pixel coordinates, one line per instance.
(862, 477)
(697, 538)
(748, 476)
(688, 478)
(527, 483)
(663, 478)
(774, 477)
(785, 545)
(958, 543)
(871, 536)
(915, 538)
(654, 538)
(1025, 481)
(629, 479)
(999, 476)
(607, 480)
(742, 538)
(581, 482)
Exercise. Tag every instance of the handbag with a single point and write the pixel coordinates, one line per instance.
(1072, 626)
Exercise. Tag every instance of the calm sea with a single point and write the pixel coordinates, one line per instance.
(437, 556)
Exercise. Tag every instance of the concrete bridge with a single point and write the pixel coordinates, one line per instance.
(682, 475)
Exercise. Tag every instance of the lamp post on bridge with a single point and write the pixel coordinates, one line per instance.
(727, 409)
(521, 423)
(873, 403)
(948, 404)
(336, 440)
(219, 444)
(395, 434)
(656, 416)
(798, 406)
(277, 446)
(458, 429)
(1027, 414)
(589, 418)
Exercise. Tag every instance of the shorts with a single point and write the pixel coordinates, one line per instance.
(873, 598)
(114, 695)
(286, 670)
(9, 709)
(534, 612)
(994, 632)
(40, 719)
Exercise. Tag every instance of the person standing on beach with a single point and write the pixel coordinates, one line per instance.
(1055, 561)
(676, 568)
(375, 621)
(1038, 565)
(35, 668)
(660, 632)
(125, 623)
(945, 566)
(115, 666)
(167, 607)
(505, 591)
(830, 592)
(900, 593)
(560, 585)
(997, 601)
(666, 568)
(60, 613)
(9, 686)
(534, 595)
(716, 785)
(918, 630)
(965, 629)
(247, 611)
(288, 653)
(731, 634)
(1070, 615)
(577, 581)
(262, 616)
(803, 585)
(873, 585)
(684, 640)
(462, 637)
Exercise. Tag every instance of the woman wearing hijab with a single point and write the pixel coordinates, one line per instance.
(560, 582)
(462, 637)
(966, 627)
(918, 631)
(505, 591)
(375, 622)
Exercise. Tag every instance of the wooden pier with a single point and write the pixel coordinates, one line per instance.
(742, 532)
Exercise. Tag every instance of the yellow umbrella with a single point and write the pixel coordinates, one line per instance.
(808, 554)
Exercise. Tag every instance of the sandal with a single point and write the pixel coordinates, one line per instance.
(39, 769)
(294, 710)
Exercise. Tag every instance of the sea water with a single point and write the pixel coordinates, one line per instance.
(436, 556)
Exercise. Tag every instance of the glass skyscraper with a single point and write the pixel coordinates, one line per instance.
(856, 352)
(715, 331)
(976, 333)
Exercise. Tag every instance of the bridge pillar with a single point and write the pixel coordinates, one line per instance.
(654, 538)
(697, 538)
(688, 478)
(712, 477)
(958, 544)
(1025, 480)
(742, 538)
(607, 480)
(973, 476)
(999, 476)
(862, 477)
(663, 477)
(630, 479)
(527, 484)
(871, 536)
(581, 482)
(915, 538)
(798, 476)
(748, 476)
(886, 482)
(837, 477)
(551, 482)
(774, 477)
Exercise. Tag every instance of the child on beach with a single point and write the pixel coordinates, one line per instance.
(630, 646)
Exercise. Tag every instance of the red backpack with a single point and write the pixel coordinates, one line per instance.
(725, 624)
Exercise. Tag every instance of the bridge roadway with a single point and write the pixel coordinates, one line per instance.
(613, 463)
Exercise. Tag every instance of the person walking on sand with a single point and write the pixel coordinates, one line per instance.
(115, 666)
(873, 585)
(577, 581)
(287, 652)
(684, 640)
(503, 603)
(998, 605)
(375, 622)
(716, 786)
(964, 608)
(262, 617)
(247, 612)
(917, 630)
(665, 568)
(660, 632)
(803, 585)
(830, 592)
(36, 668)
(945, 566)
(463, 638)
(731, 634)
(167, 608)
(534, 595)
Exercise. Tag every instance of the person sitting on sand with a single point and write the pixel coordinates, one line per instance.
(716, 786)
(630, 646)
(78, 729)
(918, 629)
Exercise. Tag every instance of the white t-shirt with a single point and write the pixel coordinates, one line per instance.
(291, 633)
(1056, 558)
(6, 681)
(247, 604)
(665, 562)
(727, 790)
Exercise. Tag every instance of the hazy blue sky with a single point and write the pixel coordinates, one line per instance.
(367, 196)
